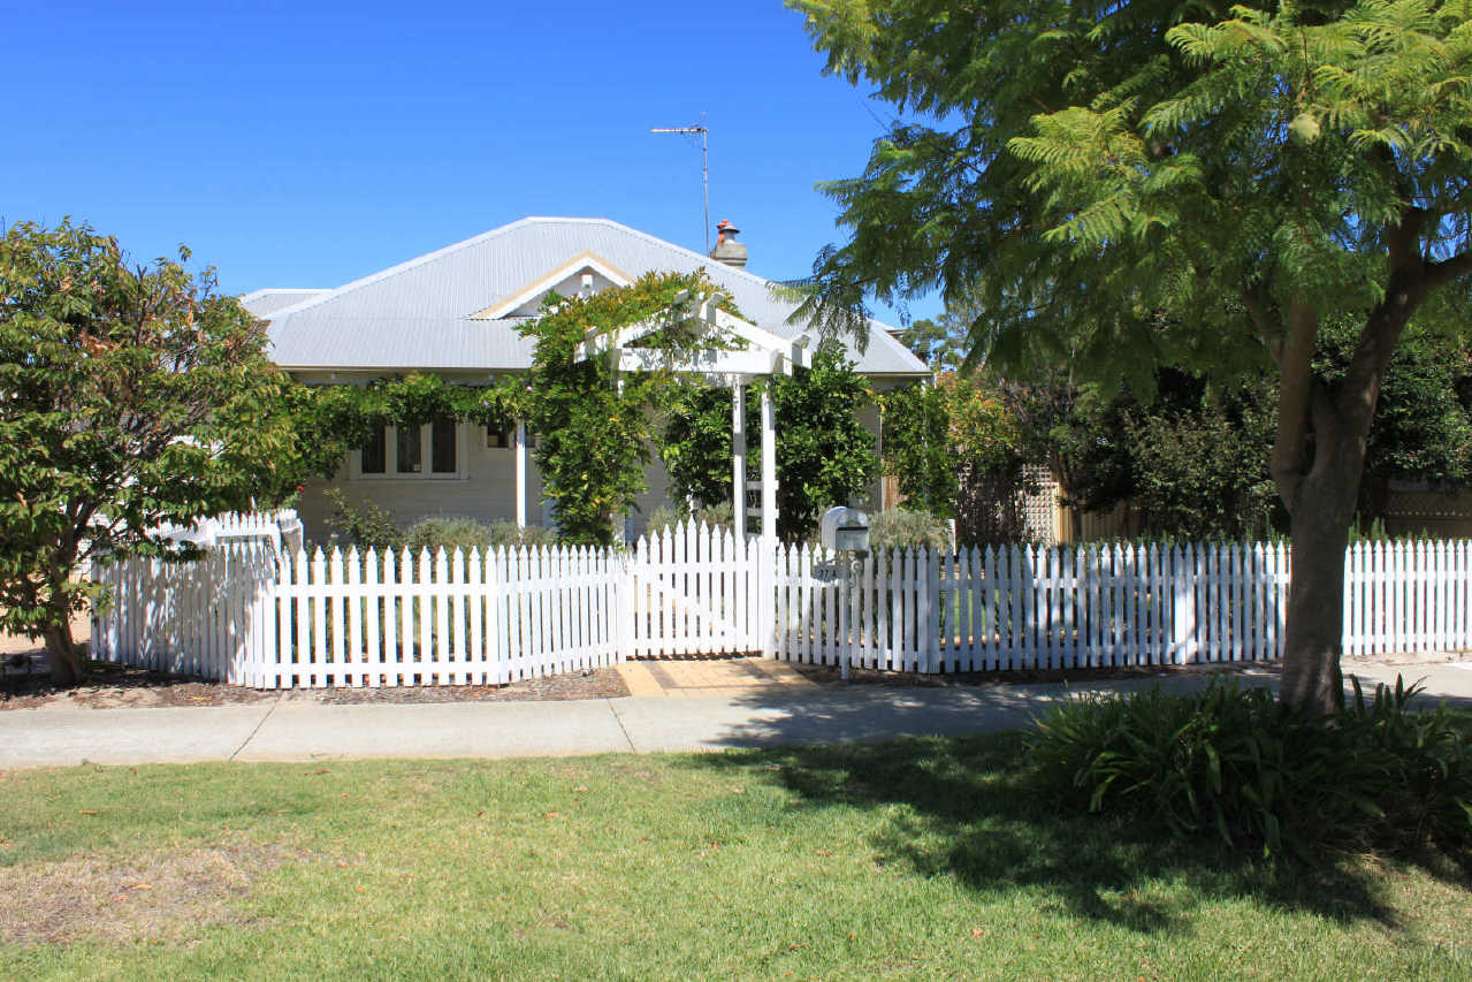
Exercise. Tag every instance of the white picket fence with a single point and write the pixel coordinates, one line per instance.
(280, 527)
(695, 590)
(1104, 606)
(252, 616)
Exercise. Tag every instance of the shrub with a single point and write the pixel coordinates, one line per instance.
(665, 517)
(366, 525)
(448, 532)
(507, 533)
(451, 532)
(1234, 763)
(900, 528)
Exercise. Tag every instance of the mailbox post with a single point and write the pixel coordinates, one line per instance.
(845, 531)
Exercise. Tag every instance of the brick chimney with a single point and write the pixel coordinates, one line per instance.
(727, 249)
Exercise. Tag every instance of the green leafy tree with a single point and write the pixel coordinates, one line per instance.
(918, 450)
(941, 343)
(825, 456)
(1130, 185)
(1423, 422)
(130, 397)
(1198, 458)
(695, 444)
(956, 449)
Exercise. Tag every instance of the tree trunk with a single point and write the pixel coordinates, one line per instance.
(1312, 680)
(67, 668)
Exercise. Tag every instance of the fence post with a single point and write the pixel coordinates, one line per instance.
(1179, 565)
(766, 583)
(930, 618)
(624, 600)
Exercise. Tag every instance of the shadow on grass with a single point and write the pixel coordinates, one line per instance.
(961, 807)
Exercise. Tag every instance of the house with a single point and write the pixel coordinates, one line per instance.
(455, 312)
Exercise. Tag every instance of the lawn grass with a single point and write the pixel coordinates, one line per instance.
(917, 858)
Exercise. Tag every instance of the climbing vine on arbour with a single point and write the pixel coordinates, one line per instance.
(595, 425)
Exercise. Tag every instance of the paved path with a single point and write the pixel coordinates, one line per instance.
(294, 729)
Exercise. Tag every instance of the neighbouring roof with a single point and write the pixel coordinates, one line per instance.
(264, 303)
(419, 314)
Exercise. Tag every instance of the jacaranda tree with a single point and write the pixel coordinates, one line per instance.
(130, 397)
(1124, 185)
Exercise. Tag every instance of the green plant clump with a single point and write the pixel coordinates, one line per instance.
(451, 532)
(667, 517)
(1234, 763)
(361, 524)
(367, 526)
(901, 528)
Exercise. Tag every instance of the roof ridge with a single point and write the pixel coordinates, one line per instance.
(701, 257)
(454, 247)
(647, 237)
(405, 266)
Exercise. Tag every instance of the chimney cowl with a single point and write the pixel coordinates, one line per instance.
(727, 249)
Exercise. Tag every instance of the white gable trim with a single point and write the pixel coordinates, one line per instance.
(582, 261)
(766, 353)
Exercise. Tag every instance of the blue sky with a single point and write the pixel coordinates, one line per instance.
(305, 144)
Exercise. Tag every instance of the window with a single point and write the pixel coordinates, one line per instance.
(408, 452)
(442, 446)
(501, 438)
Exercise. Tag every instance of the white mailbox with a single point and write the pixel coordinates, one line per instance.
(844, 530)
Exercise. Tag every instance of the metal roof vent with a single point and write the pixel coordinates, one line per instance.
(727, 249)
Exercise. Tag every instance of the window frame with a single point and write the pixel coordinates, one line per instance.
(426, 457)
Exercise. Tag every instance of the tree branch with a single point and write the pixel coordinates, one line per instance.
(1439, 274)
(1295, 390)
(1257, 301)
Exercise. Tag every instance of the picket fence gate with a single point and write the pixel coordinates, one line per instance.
(250, 615)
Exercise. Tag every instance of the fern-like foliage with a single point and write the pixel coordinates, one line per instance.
(1124, 184)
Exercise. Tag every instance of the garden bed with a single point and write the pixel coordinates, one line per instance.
(117, 687)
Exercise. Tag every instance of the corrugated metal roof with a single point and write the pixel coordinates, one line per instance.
(264, 303)
(416, 314)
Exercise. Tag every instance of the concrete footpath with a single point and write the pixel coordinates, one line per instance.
(292, 729)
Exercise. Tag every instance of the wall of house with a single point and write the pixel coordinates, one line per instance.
(486, 491)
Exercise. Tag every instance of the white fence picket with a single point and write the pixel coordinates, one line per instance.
(249, 615)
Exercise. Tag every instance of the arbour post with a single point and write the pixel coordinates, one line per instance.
(768, 575)
(769, 468)
(738, 458)
(519, 441)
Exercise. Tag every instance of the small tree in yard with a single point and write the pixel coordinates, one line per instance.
(129, 397)
(1183, 183)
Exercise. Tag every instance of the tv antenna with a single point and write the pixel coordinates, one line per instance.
(704, 133)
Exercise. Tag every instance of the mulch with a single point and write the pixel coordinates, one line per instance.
(117, 687)
(599, 683)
